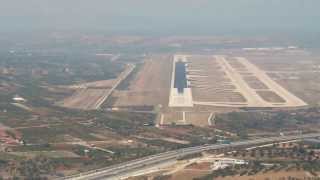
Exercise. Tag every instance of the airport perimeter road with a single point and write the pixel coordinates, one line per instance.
(121, 170)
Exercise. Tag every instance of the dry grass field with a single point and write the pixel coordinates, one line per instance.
(169, 118)
(89, 96)
(209, 82)
(107, 84)
(272, 175)
(85, 99)
(198, 118)
(235, 82)
(151, 85)
(297, 71)
(270, 96)
(203, 169)
(254, 82)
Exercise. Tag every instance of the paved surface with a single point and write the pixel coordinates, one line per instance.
(207, 89)
(130, 168)
(253, 99)
(291, 100)
(177, 99)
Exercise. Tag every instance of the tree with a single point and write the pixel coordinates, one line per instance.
(261, 152)
(32, 168)
(269, 153)
(253, 153)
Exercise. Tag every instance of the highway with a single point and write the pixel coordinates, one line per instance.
(115, 171)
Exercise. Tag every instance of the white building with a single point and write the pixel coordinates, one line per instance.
(221, 163)
(18, 98)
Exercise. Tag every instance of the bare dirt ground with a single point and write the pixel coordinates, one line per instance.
(270, 96)
(240, 78)
(290, 99)
(189, 173)
(209, 82)
(272, 175)
(296, 71)
(97, 84)
(254, 82)
(91, 95)
(198, 118)
(172, 117)
(151, 85)
(85, 98)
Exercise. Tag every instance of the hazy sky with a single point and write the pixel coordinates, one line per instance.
(194, 16)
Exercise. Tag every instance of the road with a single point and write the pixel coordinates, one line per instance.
(121, 77)
(124, 169)
(88, 98)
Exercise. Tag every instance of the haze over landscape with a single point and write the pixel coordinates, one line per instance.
(159, 89)
(163, 17)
